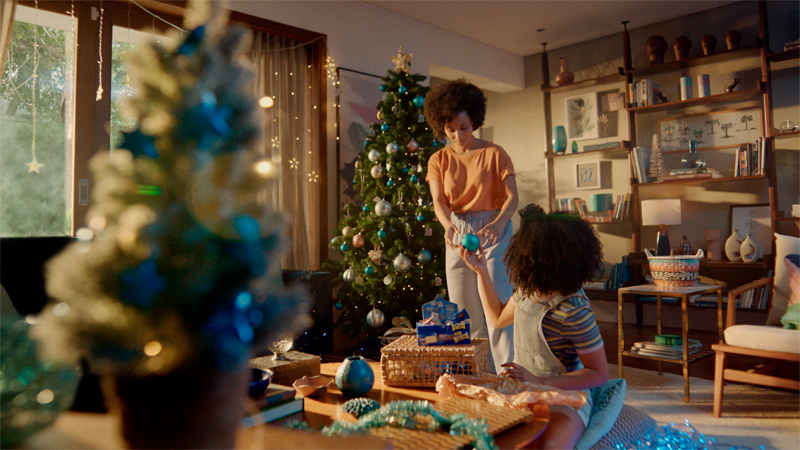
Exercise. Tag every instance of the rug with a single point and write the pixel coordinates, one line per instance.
(752, 416)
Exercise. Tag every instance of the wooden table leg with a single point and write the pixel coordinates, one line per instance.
(620, 334)
(660, 317)
(685, 336)
(720, 324)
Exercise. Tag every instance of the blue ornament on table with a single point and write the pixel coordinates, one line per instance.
(360, 406)
(139, 143)
(392, 147)
(419, 101)
(402, 89)
(354, 377)
(381, 234)
(383, 88)
(470, 242)
(414, 178)
(365, 208)
(420, 218)
(423, 256)
(344, 247)
(338, 306)
(369, 270)
(389, 183)
(375, 318)
(385, 127)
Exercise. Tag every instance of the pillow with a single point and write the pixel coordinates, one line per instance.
(607, 404)
(784, 246)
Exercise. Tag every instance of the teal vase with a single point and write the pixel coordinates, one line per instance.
(355, 377)
(559, 140)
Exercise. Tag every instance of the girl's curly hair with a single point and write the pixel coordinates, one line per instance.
(449, 99)
(556, 252)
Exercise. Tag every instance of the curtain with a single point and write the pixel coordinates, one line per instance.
(6, 28)
(290, 137)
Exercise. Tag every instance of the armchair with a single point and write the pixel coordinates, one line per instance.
(769, 341)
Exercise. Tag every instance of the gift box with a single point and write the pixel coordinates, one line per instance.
(404, 363)
(443, 324)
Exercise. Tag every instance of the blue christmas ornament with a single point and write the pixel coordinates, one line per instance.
(190, 44)
(344, 247)
(435, 144)
(366, 142)
(365, 208)
(390, 183)
(139, 144)
(419, 101)
(423, 256)
(402, 89)
(420, 218)
(405, 169)
(338, 306)
(470, 242)
(385, 127)
(369, 270)
(141, 284)
(383, 87)
(381, 234)
(414, 178)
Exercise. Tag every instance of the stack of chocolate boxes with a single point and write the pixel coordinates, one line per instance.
(443, 324)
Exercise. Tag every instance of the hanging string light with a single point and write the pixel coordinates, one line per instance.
(100, 57)
(34, 165)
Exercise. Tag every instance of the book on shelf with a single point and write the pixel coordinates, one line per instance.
(709, 173)
(707, 301)
(639, 165)
(600, 216)
(651, 348)
(750, 159)
(274, 412)
(274, 394)
(643, 92)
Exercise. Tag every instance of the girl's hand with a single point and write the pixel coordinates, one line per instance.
(448, 238)
(519, 373)
(474, 260)
(491, 233)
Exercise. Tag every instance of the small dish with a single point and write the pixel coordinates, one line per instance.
(312, 386)
(258, 386)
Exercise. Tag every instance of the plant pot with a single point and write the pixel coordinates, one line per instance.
(192, 407)
(565, 76)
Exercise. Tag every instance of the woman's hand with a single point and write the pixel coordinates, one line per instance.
(448, 237)
(474, 260)
(519, 373)
(491, 233)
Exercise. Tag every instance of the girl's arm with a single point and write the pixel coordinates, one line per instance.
(593, 374)
(492, 231)
(442, 210)
(498, 314)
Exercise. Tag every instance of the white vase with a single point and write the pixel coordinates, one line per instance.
(732, 245)
(749, 250)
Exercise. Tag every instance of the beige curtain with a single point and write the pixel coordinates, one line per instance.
(6, 27)
(290, 136)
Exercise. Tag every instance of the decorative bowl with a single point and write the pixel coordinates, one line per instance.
(258, 386)
(312, 386)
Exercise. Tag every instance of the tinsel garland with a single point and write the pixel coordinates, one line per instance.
(670, 437)
(413, 414)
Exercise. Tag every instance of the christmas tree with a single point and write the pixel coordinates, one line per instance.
(392, 247)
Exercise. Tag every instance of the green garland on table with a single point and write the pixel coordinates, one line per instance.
(412, 414)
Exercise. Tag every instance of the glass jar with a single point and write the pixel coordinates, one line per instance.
(693, 160)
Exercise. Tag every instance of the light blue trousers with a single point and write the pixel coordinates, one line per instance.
(462, 285)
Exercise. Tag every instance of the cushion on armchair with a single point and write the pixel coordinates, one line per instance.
(764, 337)
(784, 246)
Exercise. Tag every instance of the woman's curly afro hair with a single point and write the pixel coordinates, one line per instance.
(556, 252)
(449, 99)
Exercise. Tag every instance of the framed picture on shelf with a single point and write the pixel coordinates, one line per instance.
(755, 220)
(582, 117)
(719, 129)
(587, 175)
(358, 98)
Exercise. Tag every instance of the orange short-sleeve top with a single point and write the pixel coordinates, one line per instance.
(472, 181)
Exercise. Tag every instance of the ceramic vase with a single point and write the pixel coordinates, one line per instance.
(732, 245)
(749, 250)
(565, 76)
(191, 407)
(355, 377)
(559, 140)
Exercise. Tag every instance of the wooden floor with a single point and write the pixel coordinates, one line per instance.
(703, 368)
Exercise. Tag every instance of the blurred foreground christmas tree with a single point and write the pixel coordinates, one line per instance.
(391, 244)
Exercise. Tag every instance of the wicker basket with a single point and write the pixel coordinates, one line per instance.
(676, 270)
(404, 363)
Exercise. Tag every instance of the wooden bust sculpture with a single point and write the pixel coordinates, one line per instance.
(681, 46)
(656, 46)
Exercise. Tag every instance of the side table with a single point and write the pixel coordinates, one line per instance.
(662, 291)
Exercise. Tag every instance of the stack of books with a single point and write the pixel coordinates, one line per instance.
(750, 159)
(651, 348)
(691, 174)
(277, 402)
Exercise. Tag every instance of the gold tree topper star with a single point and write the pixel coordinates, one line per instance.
(401, 61)
(34, 166)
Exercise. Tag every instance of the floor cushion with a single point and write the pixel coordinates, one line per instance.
(607, 403)
(632, 424)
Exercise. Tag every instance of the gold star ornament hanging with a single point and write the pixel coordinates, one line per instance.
(401, 61)
(34, 166)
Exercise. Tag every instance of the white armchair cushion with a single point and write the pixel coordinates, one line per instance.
(764, 337)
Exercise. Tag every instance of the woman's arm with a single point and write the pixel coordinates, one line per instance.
(593, 374)
(442, 210)
(498, 314)
(494, 229)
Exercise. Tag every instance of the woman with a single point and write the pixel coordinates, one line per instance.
(474, 191)
(557, 340)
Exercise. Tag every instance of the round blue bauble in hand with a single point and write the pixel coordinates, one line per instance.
(355, 377)
(419, 101)
(470, 242)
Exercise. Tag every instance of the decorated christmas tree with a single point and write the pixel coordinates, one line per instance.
(392, 247)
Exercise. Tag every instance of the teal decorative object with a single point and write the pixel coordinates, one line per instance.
(470, 242)
(559, 140)
(355, 377)
(360, 406)
(574, 146)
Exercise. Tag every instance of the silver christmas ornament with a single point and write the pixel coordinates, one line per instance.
(383, 208)
(347, 231)
(387, 280)
(402, 263)
(375, 318)
(373, 155)
(392, 147)
(376, 171)
(349, 275)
